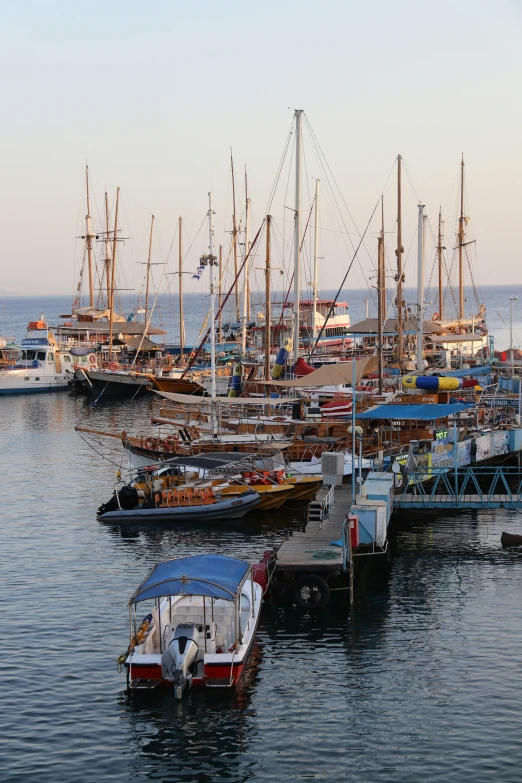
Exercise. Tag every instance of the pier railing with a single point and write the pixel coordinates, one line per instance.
(471, 487)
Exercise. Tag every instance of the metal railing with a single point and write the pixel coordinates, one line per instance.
(471, 487)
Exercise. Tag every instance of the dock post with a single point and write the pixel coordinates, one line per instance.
(350, 556)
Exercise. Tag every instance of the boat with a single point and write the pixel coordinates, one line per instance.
(144, 501)
(41, 366)
(201, 627)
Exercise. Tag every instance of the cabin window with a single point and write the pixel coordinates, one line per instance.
(37, 379)
(30, 355)
(26, 378)
(41, 356)
(49, 357)
(67, 358)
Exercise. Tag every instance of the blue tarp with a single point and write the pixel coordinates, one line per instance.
(213, 576)
(421, 412)
(471, 372)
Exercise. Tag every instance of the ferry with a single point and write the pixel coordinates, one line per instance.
(40, 365)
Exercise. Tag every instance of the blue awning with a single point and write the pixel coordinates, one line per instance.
(212, 576)
(420, 412)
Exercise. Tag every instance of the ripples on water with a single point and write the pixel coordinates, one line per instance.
(421, 684)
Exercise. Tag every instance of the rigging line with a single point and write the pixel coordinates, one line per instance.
(225, 300)
(280, 168)
(325, 162)
(136, 202)
(412, 186)
(332, 194)
(344, 279)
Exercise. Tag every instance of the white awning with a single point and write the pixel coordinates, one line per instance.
(191, 399)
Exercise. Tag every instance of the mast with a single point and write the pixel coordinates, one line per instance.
(180, 273)
(297, 228)
(107, 253)
(88, 240)
(399, 252)
(381, 310)
(440, 248)
(247, 245)
(461, 241)
(220, 293)
(114, 245)
(246, 294)
(148, 273)
(211, 259)
(420, 285)
(234, 234)
(316, 258)
(268, 304)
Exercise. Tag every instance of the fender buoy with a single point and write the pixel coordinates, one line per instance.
(92, 358)
(113, 367)
(311, 591)
(435, 317)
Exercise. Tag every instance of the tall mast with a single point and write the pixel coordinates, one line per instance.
(148, 273)
(268, 307)
(381, 312)
(107, 253)
(211, 259)
(234, 234)
(113, 270)
(297, 228)
(220, 293)
(246, 304)
(88, 240)
(440, 248)
(399, 252)
(180, 273)
(461, 241)
(420, 285)
(247, 244)
(316, 258)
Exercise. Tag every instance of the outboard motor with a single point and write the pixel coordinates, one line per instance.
(179, 656)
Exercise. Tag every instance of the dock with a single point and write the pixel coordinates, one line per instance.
(305, 551)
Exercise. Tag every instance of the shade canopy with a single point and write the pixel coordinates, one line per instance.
(212, 576)
(370, 326)
(420, 412)
(332, 374)
(212, 460)
(191, 399)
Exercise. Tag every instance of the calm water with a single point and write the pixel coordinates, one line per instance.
(421, 683)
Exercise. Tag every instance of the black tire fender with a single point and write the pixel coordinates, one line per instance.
(317, 594)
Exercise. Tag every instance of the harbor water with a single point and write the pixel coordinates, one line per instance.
(419, 683)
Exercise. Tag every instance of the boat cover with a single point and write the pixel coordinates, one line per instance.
(426, 412)
(211, 460)
(212, 576)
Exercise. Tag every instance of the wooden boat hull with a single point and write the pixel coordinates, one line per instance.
(305, 488)
(178, 386)
(272, 495)
(233, 508)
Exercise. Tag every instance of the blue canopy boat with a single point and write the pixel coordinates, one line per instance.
(201, 627)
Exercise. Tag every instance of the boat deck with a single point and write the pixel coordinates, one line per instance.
(302, 551)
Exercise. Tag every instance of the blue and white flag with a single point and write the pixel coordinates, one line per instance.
(199, 272)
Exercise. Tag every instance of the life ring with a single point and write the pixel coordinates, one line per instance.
(311, 591)
(92, 358)
(113, 367)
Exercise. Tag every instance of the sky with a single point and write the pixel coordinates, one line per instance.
(154, 95)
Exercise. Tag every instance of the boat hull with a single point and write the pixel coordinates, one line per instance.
(12, 382)
(228, 509)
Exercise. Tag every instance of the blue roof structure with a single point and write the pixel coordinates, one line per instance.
(420, 412)
(212, 576)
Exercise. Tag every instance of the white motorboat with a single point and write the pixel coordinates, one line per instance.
(41, 365)
(201, 627)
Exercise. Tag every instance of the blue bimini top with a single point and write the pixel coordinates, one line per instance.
(212, 576)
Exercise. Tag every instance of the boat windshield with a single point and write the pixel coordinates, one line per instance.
(31, 356)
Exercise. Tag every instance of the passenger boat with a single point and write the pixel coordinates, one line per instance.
(40, 365)
(201, 627)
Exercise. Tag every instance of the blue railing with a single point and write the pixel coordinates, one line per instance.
(471, 487)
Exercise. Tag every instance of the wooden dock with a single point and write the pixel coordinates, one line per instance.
(306, 551)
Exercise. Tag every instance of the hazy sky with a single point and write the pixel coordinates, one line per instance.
(154, 94)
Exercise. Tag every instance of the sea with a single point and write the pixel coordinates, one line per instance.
(418, 682)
